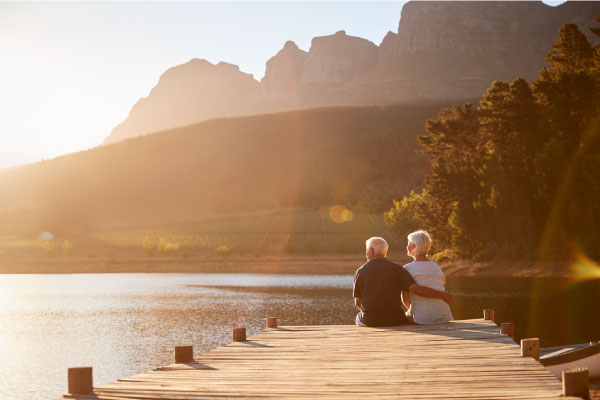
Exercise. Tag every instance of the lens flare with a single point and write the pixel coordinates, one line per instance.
(584, 268)
(347, 215)
(340, 214)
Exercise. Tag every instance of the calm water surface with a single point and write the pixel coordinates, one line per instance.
(123, 324)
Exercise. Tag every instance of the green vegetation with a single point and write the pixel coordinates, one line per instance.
(257, 234)
(48, 246)
(166, 247)
(222, 250)
(288, 230)
(67, 247)
(148, 246)
(519, 172)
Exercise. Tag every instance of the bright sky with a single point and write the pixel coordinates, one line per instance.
(70, 72)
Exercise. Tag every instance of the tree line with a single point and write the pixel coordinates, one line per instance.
(518, 176)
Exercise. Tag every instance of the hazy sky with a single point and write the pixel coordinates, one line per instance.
(70, 72)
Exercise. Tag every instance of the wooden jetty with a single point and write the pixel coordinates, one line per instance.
(467, 359)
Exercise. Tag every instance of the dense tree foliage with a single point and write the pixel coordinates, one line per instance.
(518, 176)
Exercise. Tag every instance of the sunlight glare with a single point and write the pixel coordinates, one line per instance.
(584, 268)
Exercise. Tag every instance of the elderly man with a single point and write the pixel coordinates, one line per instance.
(378, 285)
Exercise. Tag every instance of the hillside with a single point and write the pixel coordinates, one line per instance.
(442, 51)
(361, 157)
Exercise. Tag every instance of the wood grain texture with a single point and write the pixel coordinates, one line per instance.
(459, 360)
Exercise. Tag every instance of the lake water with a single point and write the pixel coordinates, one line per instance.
(123, 324)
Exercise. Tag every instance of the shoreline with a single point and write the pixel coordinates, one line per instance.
(271, 264)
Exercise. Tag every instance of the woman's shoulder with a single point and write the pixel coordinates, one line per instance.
(426, 267)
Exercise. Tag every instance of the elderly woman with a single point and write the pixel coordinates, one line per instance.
(425, 272)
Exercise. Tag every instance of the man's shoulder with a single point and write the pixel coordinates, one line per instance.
(390, 263)
(375, 263)
(361, 268)
(394, 263)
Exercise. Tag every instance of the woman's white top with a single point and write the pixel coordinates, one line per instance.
(426, 310)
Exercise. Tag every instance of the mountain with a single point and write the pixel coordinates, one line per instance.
(361, 157)
(192, 92)
(442, 51)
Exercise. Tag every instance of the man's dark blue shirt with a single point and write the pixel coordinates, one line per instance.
(379, 283)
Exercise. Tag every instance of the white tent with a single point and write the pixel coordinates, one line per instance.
(45, 236)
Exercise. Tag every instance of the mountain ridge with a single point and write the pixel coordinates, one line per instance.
(442, 51)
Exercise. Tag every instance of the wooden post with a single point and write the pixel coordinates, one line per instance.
(576, 383)
(508, 328)
(271, 322)
(488, 314)
(530, 348)
(80, 380)
(239, 334)
(184, 354)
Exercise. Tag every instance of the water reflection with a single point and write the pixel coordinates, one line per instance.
(123, 324)
(556, 310)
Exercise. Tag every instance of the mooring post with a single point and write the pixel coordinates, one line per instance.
(239, 334)
(271, 322)
(80, 380)
(576, 383)
(184, 354)
(488, 314)
(508, 328)
(530, 348)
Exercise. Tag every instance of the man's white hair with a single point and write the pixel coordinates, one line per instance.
(422, 241)
(379, 246)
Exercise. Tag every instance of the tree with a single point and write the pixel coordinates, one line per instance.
(522, 170)
(567, 90)
(595, 69)
(407, 214)
(571, 53)
(509, 133)
(596, 31)
(455, 155)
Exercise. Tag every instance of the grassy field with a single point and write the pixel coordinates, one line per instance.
(289, 231)
(329, 240)
(331, 230)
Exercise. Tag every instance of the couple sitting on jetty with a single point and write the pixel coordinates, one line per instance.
(381, 286)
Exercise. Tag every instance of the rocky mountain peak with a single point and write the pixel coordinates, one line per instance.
(290, 44)
(337, 58)
(443, 50)
(283, 72)
(188, 93)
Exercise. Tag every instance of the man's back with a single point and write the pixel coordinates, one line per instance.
(379, 284)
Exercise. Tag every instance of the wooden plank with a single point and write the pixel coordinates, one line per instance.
(462, 359)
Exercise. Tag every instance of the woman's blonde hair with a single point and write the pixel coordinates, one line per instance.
(422, 241)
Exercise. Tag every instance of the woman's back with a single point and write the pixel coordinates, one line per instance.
(427, 310)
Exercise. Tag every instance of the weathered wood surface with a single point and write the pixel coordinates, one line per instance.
(459, 360)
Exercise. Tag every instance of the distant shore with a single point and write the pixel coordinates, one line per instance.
(268, 264)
